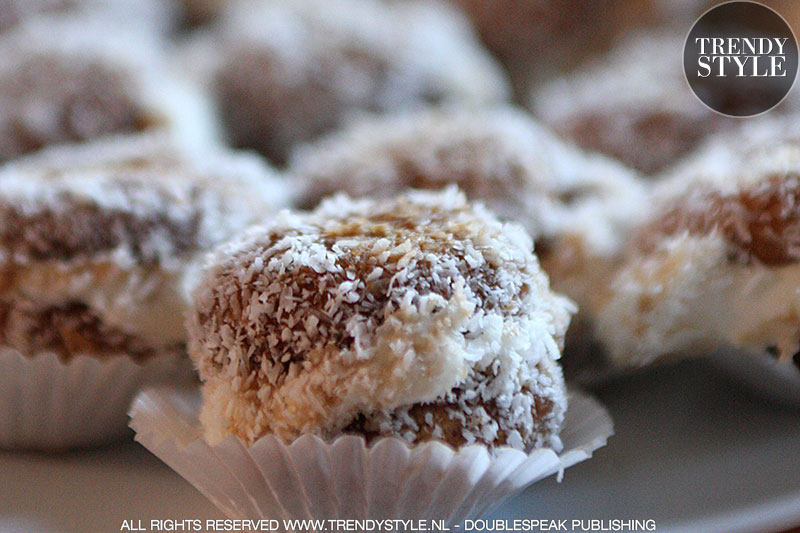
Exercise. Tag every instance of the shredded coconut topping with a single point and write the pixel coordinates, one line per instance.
(293, 69)
(104, 237)
(73, 80)
(630, 106)
(138, 200)
(501, 157)
(419, 317)
(743, 186)
(716, 265)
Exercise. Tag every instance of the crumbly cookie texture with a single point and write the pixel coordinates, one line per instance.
(290, 70)
(98, 240)
(420, 317)
(69, 80)
(614, 106)
(717, 263)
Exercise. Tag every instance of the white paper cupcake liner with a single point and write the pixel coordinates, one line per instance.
(312, 479)
(48, 404)
(776, 381)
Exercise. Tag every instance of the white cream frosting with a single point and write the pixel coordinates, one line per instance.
(147, 303)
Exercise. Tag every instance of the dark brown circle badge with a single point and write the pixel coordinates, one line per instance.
(740, 58)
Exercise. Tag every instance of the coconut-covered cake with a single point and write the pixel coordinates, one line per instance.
(420, 317)
(287, 71)
(72, 80)
(577, 206)
(97, 241)
(715, 265)
(630, 106)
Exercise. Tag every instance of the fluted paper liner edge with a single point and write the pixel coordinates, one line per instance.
(50, 404)
(314, 479)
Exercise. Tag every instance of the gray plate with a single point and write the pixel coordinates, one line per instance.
(693, 450)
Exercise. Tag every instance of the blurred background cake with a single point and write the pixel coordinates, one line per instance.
(287, 71)
(70, 80)
(714, 265)
(99, 244)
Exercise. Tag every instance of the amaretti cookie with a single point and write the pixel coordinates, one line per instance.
(97, 244)
(290, 70)
(72, 80)
(420, 317)
(577, 206)
(631, 106)
(716, 264)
